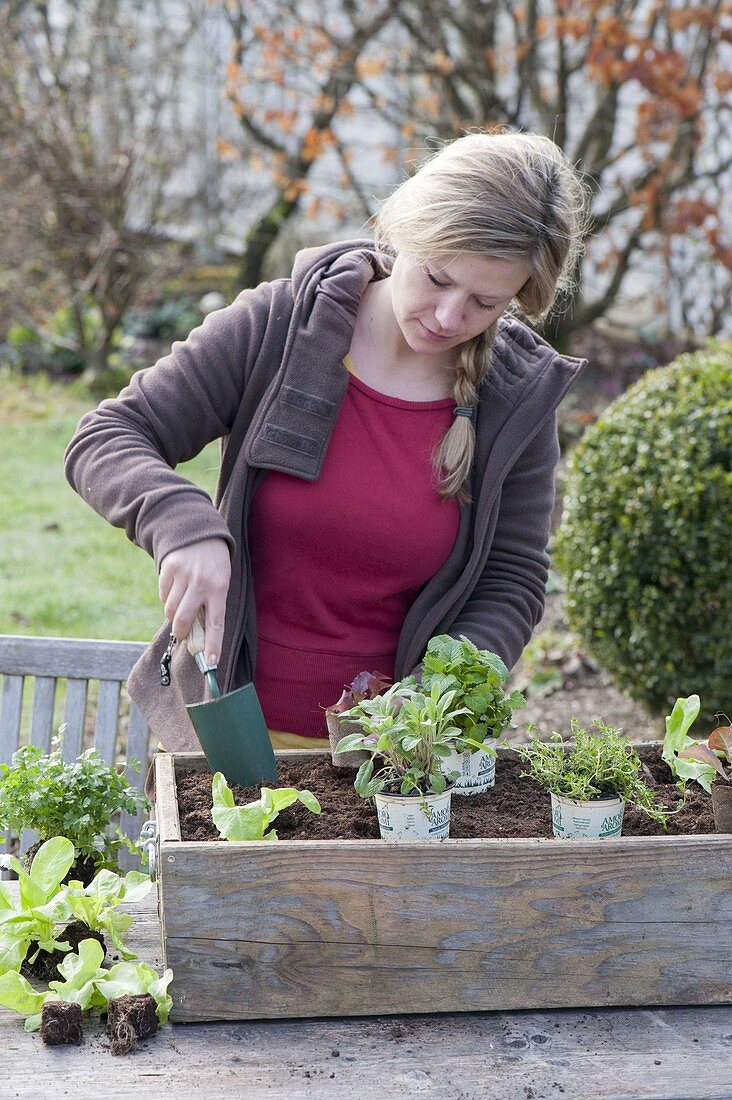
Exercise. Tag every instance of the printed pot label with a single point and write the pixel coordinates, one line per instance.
(477, 771)
(403, 817)
(601, 818)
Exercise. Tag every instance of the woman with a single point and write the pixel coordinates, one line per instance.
(388, 446)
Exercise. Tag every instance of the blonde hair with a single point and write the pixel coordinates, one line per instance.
(506, 196)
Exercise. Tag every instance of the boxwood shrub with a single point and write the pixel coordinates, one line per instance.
(645, 541)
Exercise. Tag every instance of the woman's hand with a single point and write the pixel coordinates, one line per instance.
(197, 577)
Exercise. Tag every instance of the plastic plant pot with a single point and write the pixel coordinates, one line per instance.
(477, 771)
(599, 818)
(403, 817)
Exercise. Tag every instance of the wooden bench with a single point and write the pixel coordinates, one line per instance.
(77, 683)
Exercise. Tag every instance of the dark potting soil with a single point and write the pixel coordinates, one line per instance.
(82, 869)
(129, 1019)
(61, 1024)
(44, 967)
(514, 807)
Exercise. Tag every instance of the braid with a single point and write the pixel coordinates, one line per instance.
(453, 457)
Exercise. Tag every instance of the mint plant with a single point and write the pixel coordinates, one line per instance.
(252, 822)
(44, 793)
(476, 677)
(597, 765)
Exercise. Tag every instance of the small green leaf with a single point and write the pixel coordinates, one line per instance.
(310, 801)
(19, 995)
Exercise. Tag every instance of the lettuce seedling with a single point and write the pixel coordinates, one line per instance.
(80, 972)
(41, 905)
(96, 904)
(87, 984)
(718, 744)
(252, 822)
(44, 905)
(367, 685)
(132, 979)
(677, 741)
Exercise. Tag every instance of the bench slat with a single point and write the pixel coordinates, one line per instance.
(105, 729)
(85, 658)
(73, 745)
(138, 737)
(10, 711)
(44, 697)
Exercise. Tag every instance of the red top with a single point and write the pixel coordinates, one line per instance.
(337, 562)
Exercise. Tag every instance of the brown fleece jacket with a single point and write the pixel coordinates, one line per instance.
(266, 375)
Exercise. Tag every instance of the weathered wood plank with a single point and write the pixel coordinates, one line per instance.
(137, 748)
(489, 925)
(11, 706)
(74, 715)
(107, 720)
(88, 658)
(44, 697)
(138, 737)
(671, 1054)
(166, 803)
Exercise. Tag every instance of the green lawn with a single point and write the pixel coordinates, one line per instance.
(63, 570)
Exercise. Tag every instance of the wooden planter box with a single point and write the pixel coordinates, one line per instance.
(361, 927)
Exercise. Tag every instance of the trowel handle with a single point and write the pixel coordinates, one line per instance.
(196, 647)
(196, 640)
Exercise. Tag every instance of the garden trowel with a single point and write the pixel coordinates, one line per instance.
(231, 728)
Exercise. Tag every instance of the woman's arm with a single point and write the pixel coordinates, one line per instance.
(123, 455)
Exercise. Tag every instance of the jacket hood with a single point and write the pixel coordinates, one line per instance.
(339, 270)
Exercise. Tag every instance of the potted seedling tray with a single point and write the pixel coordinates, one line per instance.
(358, 927)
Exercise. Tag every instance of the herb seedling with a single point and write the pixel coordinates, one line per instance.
(411, 732)
(76, 800)
(476, 677)
(252, 822)
(597, 765)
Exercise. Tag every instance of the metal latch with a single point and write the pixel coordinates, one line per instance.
(149, 839)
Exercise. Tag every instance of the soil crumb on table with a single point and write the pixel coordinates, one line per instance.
(514, 807)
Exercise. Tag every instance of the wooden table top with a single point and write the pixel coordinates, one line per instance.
(606, 1054)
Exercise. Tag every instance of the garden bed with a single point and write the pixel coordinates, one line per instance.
(515, 807)
(338, 927)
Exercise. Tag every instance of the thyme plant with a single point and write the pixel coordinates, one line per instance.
(597, 765)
